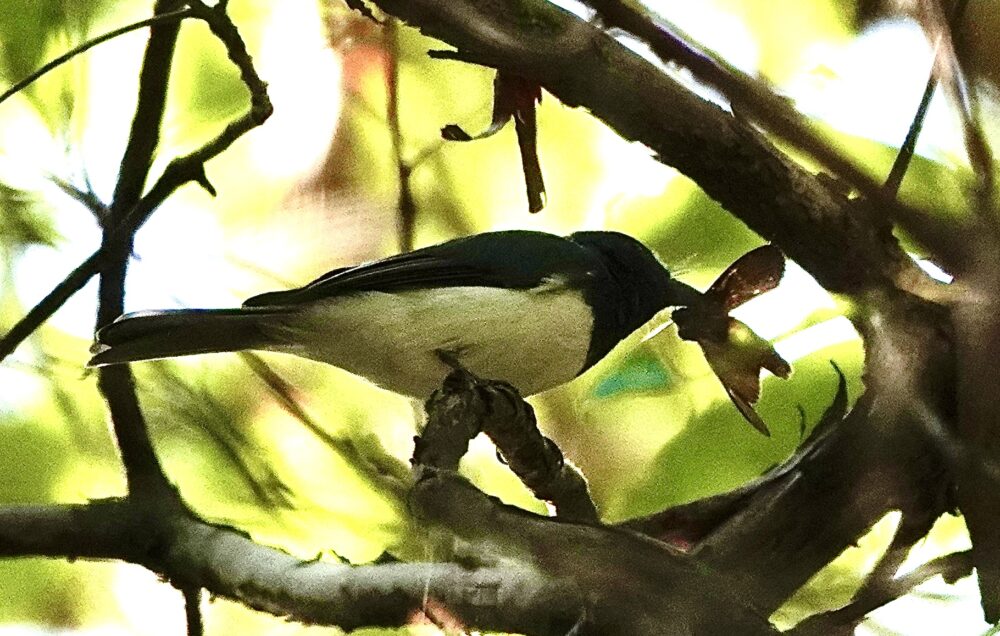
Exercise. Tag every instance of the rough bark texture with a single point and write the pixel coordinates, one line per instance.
(746, 551)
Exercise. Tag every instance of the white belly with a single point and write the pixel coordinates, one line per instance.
(535, 340)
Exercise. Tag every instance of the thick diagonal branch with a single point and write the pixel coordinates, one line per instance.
(843, 244)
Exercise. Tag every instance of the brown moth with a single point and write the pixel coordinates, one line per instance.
(733, 350)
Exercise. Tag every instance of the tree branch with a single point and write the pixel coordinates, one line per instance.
(180, 171)
(951, 567)
(143, 472)
(191, 553)
(467, 405)
(89, 44)
(192, 611)
(843, 244)
(405, 204)
(633, 585)
(749, 97)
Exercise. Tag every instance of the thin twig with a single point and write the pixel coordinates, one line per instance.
(912, 528)
(192, 611)
(951, 567)
(180, 171)
(52, 301)
(949, 68)
(174, 396)
(87, 198)
(407, 206)
(385, 474)
(174, 16)
(905, 155)
(224, 29)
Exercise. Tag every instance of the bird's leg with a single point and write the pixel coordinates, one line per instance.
(510, 423)
(466, 405)
(454, 417)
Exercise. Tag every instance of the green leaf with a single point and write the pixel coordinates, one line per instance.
(24, 220)
(638, 373)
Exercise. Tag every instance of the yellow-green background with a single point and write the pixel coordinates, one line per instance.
(315, 189)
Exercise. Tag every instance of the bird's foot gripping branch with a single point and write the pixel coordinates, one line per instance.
(602, 579)
(466, 406)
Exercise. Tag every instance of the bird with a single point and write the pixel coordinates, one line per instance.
(528, 308)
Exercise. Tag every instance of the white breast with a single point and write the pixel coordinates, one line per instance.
(534, 340)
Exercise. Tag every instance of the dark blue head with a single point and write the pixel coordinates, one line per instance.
(633, 288)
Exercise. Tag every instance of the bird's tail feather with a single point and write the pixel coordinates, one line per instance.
(151, 335)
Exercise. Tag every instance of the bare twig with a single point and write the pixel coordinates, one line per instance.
(951, 567)
(192, 611)
(173, 16)
(943, 47)
(224, 29)
(186, 169)
(406, 205)
(86, 198)
(49, 304)
(948, 68)
(173, 396)
(385, 474)
(905, 154)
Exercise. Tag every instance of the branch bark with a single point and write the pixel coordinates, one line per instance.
(847, 245)
(194, 554)
(142, 468)
(880, 457)
(757, 548)
(632, 584)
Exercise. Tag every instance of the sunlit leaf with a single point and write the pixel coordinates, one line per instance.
(637, 373)
(23, 222)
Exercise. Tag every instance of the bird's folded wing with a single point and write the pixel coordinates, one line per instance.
(501, 259)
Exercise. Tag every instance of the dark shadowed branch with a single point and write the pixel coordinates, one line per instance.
(467, 405)
(843, 244)
(192, 611)
(143, 473)
(632, 584)
(950, 567)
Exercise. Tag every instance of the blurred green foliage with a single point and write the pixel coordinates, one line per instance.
(650, 426)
